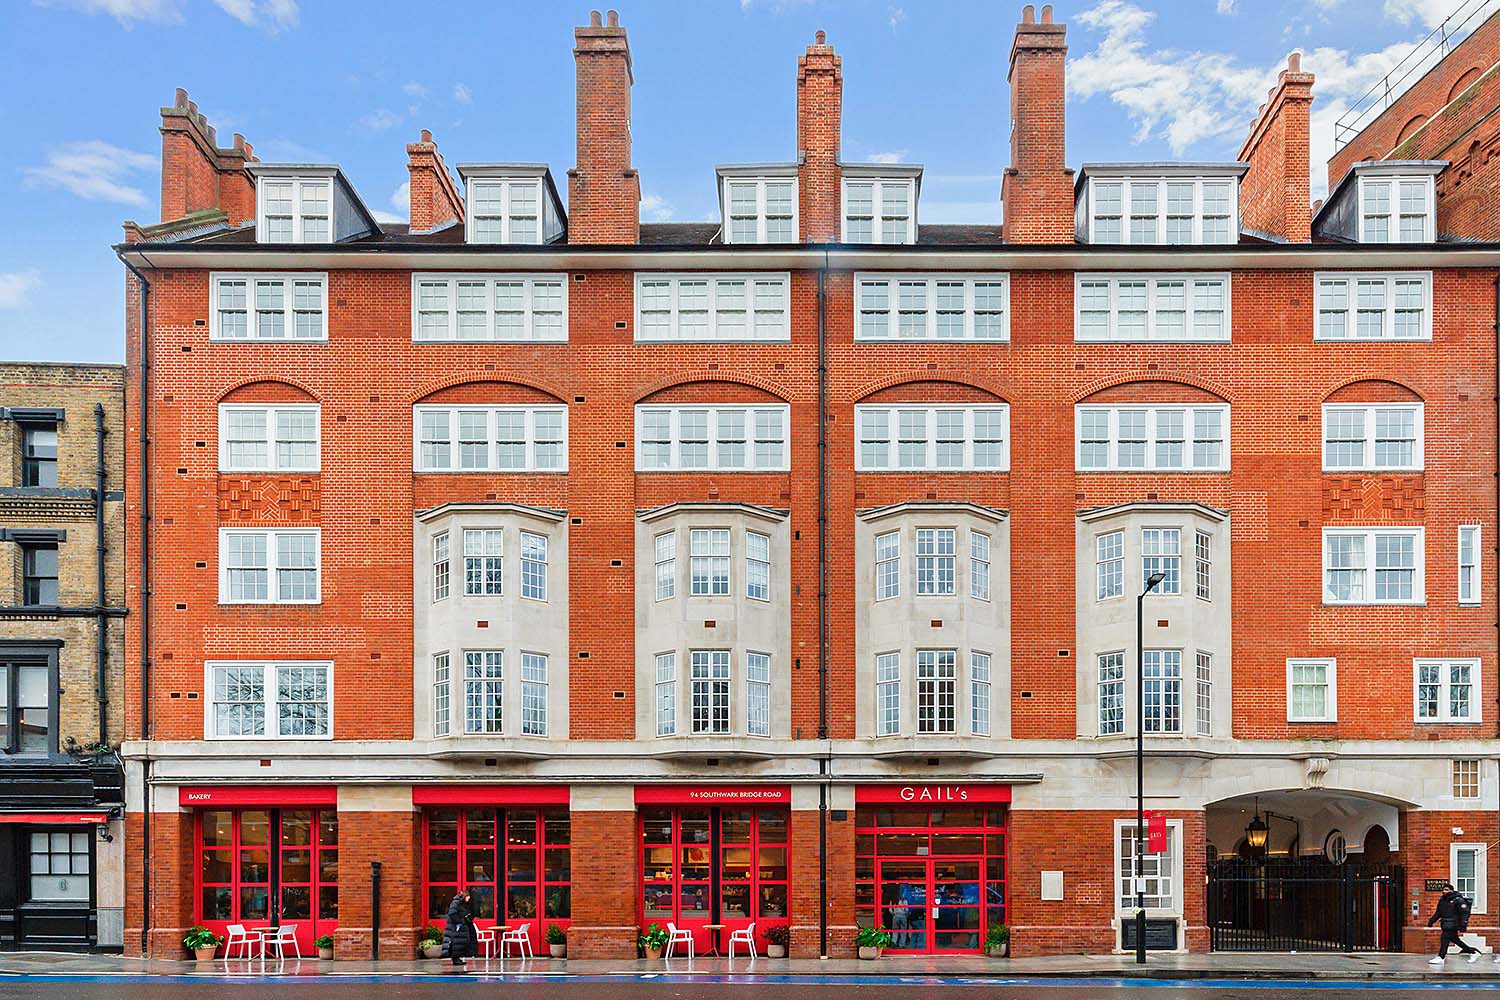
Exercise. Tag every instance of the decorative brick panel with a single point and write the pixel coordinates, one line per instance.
(280, 500)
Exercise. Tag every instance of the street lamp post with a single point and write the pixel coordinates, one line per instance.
(1152, 582)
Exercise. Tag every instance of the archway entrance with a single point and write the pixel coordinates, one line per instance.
(1303, 871)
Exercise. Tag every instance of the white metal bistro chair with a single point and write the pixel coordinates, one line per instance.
(279, 937)
(236, 937)
(677, 936)
(521, 938)
(484, 939)
(746, 937)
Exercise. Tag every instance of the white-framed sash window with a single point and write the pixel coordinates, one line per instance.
(1355, 305)
(1469, 579)
(749, 438)
(287, 308)
(1373, 437)
(1447, 690)
(504, 210)
(880, 210)
(972, 438)
(939, 307)
(1311, 690)
(760, 209)
(269, 437)
(490, 438)
(270, 565)
(1136, 307)
(1396, 209)
(500, 308)
(1373, 566)
(268, 700)
(294, 210)
(1189, 437)
(749, 307)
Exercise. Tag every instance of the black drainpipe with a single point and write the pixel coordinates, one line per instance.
(823, 761)
(1495, 540)
(101, 654)
(145, 597)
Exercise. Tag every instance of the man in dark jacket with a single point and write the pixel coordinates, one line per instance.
(459, 937)
(1452, 914)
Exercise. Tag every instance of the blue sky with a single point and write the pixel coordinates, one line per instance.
(330, 80)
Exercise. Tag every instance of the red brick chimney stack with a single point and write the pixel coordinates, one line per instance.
(195, 173)
(604, 191)
(1275, 194)
(1038, 186)
(820, 110)
(435, 201)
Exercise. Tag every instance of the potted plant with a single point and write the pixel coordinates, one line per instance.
(202, 942)
(654, 941)
(997, 942)
(431, 942)
(871, 941)
(557, 941)
(324, 945)
(776, 941)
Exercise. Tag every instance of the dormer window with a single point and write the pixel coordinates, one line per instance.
(759, 208)
(306, 203)
(880, 208)
(514, 204)
(1395, 209)
(1138, 206)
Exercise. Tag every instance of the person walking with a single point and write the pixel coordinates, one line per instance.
(1452, 914)
(459, 937)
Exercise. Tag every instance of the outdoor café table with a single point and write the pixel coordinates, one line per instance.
(713, 938)
(259, 935)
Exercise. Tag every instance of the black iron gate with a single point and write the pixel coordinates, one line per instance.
(1304, 905)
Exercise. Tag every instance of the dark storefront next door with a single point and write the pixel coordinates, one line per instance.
(54, 884)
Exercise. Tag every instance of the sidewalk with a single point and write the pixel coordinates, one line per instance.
(1261, 966)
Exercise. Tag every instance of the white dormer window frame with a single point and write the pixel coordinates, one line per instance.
(732, 184)
(481, 210)
(1391, 205)
(1149, 198)
(288, 209)
(876, 214)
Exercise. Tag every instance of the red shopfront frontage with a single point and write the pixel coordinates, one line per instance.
(715, 855)
(930, 863)
(265, 856)
(509, 845)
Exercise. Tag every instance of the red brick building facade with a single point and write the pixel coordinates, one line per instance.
(782, 569)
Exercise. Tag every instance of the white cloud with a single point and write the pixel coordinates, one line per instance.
(894, 16)
(379, 121)
(462, 94)
(414, 89)
(1225, 6)
(127, 12)
(283, 150)
(1189, 97)
(890, 156)
(269, 15)
(657, 207)
(1431, 13)
(94, 170)
(16, 286)
(401, 199)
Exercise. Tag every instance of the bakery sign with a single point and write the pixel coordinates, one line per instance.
(933, 794)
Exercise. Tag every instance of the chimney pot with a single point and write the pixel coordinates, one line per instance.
(1294, 62)
(1046, 13)
(1028, 14)
(820, 37)
(426, 135)
(612, 19)
(594, 19)
(239, 142)
(181, 100)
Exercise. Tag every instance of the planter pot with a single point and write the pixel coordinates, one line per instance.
(326, 954)
(653, 953)
(558, 950)
(206, 953)
(869, 954)
(432, 951)
(998, 951)
(776, 951)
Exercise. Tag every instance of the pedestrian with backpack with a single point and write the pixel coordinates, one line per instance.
(1452, 915)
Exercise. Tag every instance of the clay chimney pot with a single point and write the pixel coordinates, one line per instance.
(1046, 13)
(612, 19)
(595, 20)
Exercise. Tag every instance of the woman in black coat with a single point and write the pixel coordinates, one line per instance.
(459, 938)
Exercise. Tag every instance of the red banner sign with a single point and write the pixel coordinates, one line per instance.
(487, 795)
(933, 794)
(1156, 832)
(710, 795)
(54, 818)
(206, 796)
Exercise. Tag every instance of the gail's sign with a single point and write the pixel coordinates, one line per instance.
(933, 794)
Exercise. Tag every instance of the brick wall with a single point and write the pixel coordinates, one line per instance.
(1274, 193)
(606, 884)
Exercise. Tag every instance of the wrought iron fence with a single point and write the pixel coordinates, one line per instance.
(1306, 904)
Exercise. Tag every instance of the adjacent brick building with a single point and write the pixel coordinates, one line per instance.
(62, 642)
(783, 568)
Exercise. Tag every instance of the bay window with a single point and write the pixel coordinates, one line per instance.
(937, 690)
(1162, 711)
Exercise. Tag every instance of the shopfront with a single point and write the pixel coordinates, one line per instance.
(508, 845)
(47, 881)
(266, 856)
(930, 863)
(715, 855)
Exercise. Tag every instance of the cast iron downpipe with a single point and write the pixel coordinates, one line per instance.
(101, 653)
(145, 595)
(823, 761)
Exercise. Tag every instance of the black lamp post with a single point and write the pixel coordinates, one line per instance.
(1152, 582)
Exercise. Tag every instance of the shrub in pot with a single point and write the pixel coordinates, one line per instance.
(557, 941)
(997, 942)
(202, 942)
(431, 942)
(871, 941)
(776, 941)
(654, 941)
(324, 945)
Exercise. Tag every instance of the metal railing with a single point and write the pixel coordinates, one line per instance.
(1430, 51)
(1304, 905)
